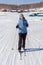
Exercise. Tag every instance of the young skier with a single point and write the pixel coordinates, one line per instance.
(22, 26)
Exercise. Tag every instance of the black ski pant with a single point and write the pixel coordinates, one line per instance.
(22, 38)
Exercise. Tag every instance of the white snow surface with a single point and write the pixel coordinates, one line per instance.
(9, 40)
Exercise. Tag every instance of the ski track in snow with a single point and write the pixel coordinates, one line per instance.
(9, 54)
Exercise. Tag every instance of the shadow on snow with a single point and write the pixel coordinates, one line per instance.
(32, 50)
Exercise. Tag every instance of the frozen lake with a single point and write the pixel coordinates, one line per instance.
(9, 40)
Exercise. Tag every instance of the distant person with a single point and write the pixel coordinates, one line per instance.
(22, 26)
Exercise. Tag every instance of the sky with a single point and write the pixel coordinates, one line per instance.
(19, 2)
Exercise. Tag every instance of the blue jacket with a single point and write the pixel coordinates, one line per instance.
(22, 25)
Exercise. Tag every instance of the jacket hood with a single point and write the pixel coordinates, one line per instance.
(23, 19)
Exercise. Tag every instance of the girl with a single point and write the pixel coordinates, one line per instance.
(22, 26)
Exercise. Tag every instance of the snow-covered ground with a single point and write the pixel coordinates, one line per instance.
(9, 54)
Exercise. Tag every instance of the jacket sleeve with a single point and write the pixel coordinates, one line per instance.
(17, 26)
(27, 24)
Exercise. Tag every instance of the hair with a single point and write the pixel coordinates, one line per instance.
(21, 15)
